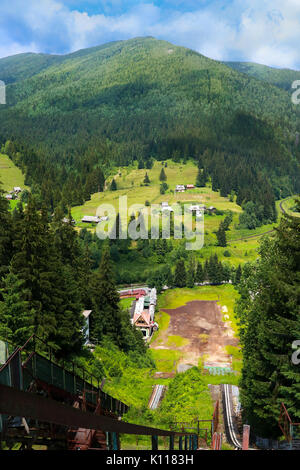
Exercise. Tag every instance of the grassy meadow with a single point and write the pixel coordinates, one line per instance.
(10, 175)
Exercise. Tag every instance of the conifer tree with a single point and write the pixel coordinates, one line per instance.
(113, 185)
(200, 276)
(268, 312)
(190, 279)
(105, 297)
(201, 178)
(48, 284)
(6, 231)
(221, 236)
(180, 274)
(16, 316)
(162, 176)
(238, 274)
(146, 179)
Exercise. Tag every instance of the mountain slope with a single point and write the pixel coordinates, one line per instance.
(283, 78)
(145, 98)
(107, 89)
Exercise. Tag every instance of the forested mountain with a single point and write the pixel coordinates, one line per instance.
(72, 117)
(283, 78)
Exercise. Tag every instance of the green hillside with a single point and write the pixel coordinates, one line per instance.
(282, 78)
(129, 90)
(74, 118)
(10, 175)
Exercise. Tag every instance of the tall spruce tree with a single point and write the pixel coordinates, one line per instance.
(200, 275)
(16, 315)
(5, 236)
(180, 274)
(201, 178)
(113, 185)
(146, 179)
(268, 311)
(190, 279)
(107, 319)
(48, 284)
(162, 176)
(221, 236)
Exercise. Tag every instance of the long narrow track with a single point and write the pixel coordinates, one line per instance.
(156, 396)
(227, 411)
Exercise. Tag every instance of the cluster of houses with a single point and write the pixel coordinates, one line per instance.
(14, 194)
(180, 188)
(194, 208)
(142, 311)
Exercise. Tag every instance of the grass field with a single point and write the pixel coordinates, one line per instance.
(126, 303)
(10, 175)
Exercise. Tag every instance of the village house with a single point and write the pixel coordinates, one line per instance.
(190, 186)
(180, 188)
(197, 209)
(89, 219)
(17, 190)
(143, 311)
(211, 209)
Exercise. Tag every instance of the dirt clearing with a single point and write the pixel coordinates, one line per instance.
(199, 321)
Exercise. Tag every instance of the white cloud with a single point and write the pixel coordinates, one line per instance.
(262, 31)
(16, 48)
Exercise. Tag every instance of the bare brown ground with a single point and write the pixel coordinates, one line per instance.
(200, 321)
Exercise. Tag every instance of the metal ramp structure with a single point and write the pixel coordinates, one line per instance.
(206, 430)
(60, 406)
(290, 430)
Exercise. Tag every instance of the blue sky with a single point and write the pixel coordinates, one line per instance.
(249, 30)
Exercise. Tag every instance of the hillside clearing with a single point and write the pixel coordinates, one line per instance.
(10, 175)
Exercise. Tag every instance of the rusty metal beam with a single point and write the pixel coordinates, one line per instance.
(15, 402)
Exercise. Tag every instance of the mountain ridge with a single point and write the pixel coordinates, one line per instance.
(145, 98)
(281, 77)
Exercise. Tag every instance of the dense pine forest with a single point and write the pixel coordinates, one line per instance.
(47, 281)
(268, 312)
(70, 119)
